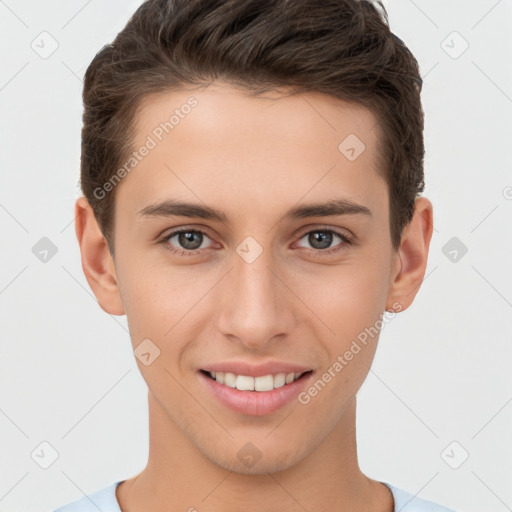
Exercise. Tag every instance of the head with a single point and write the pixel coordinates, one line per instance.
(257, 112)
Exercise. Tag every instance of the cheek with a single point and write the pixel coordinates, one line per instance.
(348, 297)
(149, 289)
(160, 300)
(162, 303)
(351, 302)
(352, 309)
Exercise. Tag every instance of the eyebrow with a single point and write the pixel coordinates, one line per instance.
(174, 208)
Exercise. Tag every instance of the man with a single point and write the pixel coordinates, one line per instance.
(251, 174)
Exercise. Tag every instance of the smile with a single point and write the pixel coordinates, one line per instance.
(248, 383)
(254, 395)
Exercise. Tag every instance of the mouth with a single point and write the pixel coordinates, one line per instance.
(262, 383)
(259, 395)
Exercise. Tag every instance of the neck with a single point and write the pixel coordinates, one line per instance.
(179, 477)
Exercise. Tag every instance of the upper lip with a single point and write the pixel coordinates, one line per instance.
(255, 370)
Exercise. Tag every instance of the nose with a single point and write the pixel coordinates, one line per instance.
(255, 304)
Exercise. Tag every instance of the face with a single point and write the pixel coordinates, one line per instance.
(257, 284)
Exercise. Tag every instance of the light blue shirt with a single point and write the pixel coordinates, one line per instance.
(105, 500)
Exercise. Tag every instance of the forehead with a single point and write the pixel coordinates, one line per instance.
(221, 145)
(222, 109)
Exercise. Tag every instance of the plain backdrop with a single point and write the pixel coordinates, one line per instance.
(435, 412)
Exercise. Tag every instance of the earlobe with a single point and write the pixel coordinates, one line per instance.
(412, 256)
(97, 262)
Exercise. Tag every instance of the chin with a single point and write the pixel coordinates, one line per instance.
(248, 460)
(260, 468)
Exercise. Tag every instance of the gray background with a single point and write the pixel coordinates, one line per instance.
(440, 387)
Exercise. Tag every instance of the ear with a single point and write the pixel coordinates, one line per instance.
(411, 257)
(97, 262)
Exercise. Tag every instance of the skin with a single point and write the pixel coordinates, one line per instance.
(253, 158)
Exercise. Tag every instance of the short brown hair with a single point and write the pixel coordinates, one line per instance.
(343, 48)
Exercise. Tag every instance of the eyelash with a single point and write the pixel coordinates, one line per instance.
(348, 240)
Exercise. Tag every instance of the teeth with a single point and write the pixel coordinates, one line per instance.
(229, 380)
(264, 383)
(244, 383)
(248, 383)
(279, 380)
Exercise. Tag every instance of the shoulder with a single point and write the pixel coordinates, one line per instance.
(104, 500)
(407, 502)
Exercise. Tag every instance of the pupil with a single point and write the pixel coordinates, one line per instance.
(323, 237)
(187, 239)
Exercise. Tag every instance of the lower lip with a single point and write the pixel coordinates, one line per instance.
(256, 403)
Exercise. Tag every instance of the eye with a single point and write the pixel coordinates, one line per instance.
(321, 240)
(188, 242)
